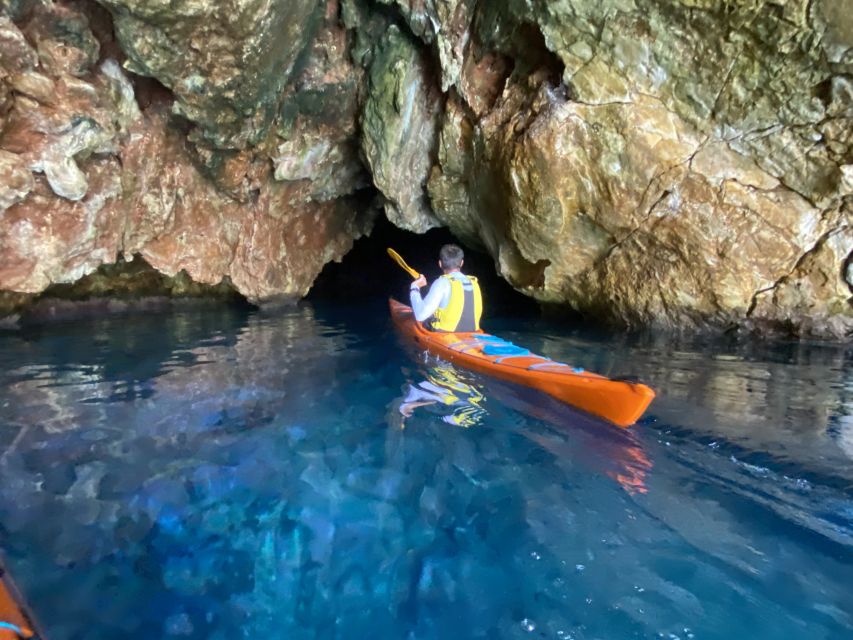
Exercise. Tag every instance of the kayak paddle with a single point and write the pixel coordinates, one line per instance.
(399, 260)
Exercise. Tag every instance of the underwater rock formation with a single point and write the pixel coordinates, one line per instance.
(676, 164)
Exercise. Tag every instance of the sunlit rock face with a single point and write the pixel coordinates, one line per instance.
(88, 175)
(671, 164)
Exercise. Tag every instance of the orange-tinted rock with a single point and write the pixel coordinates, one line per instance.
(273, 246)
(88, 177)
(645, 163)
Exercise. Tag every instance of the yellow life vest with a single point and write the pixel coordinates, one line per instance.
(464, 308)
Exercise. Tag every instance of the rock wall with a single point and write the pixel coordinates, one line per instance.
(655, 163)
(94, 165)
(684, 163)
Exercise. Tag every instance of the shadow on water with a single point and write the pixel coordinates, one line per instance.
(246, 475)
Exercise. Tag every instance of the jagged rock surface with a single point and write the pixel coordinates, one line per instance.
(88, 176)
(671, 164)
(399, 125)
(226, 61)
(675, 164)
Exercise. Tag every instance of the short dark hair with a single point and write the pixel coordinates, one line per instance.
(451, 256)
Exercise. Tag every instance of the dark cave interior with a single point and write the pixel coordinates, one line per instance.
(368, 273)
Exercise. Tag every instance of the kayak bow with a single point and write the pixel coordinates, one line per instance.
(620, 402)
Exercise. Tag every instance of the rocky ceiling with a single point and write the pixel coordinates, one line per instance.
(665, 163)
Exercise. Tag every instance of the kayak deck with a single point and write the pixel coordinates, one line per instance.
(14, 622)
(620, 402)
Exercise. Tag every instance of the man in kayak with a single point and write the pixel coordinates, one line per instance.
(454, 302)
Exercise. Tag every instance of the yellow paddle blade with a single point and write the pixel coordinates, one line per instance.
(399, 260)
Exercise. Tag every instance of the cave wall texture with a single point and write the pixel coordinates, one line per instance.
(667, 163)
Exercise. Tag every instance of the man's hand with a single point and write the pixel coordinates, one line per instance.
(420, 282)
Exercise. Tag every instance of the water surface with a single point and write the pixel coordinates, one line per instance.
(222, 474)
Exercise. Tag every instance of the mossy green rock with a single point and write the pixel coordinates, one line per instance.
(227, 61)
(399, 124)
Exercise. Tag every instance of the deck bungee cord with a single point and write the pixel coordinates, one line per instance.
(20, 632)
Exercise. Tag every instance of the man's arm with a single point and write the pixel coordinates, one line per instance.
(425, 307)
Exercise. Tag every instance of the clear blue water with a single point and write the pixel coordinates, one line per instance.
(218, 474)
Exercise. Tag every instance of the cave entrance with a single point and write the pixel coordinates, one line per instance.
(367, 273)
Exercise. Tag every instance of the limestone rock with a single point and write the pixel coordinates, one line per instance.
(655, 163)
(34, 85)
(16, 55)
(448, 190)
(316, 134)
(89, 175)
(16, 181)
(399, 129)
(271, 247)
(333, 167)
(226, 61)
(678, 164)
(812, 298)
(64, 41)
(445, 23)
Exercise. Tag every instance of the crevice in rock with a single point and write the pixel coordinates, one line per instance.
(533, 54)
(797, 265)
(125, 286)
(393, 16)
(150, 93)
(534, 275)
(823, 92)
(101, 24)
(664, 195)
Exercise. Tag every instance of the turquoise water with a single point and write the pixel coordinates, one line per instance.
(221, 474)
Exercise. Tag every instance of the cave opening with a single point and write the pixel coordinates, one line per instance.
(366, 273)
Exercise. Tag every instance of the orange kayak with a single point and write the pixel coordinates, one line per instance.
(618, 401)
(14, 622)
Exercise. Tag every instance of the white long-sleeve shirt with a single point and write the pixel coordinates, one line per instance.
(438, 296)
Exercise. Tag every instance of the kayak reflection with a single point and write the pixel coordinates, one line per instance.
(444, 391)
(617, 453)
(569, 434)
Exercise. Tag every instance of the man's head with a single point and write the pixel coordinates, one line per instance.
(450, 257)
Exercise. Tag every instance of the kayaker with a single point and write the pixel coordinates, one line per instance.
(454, 302)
